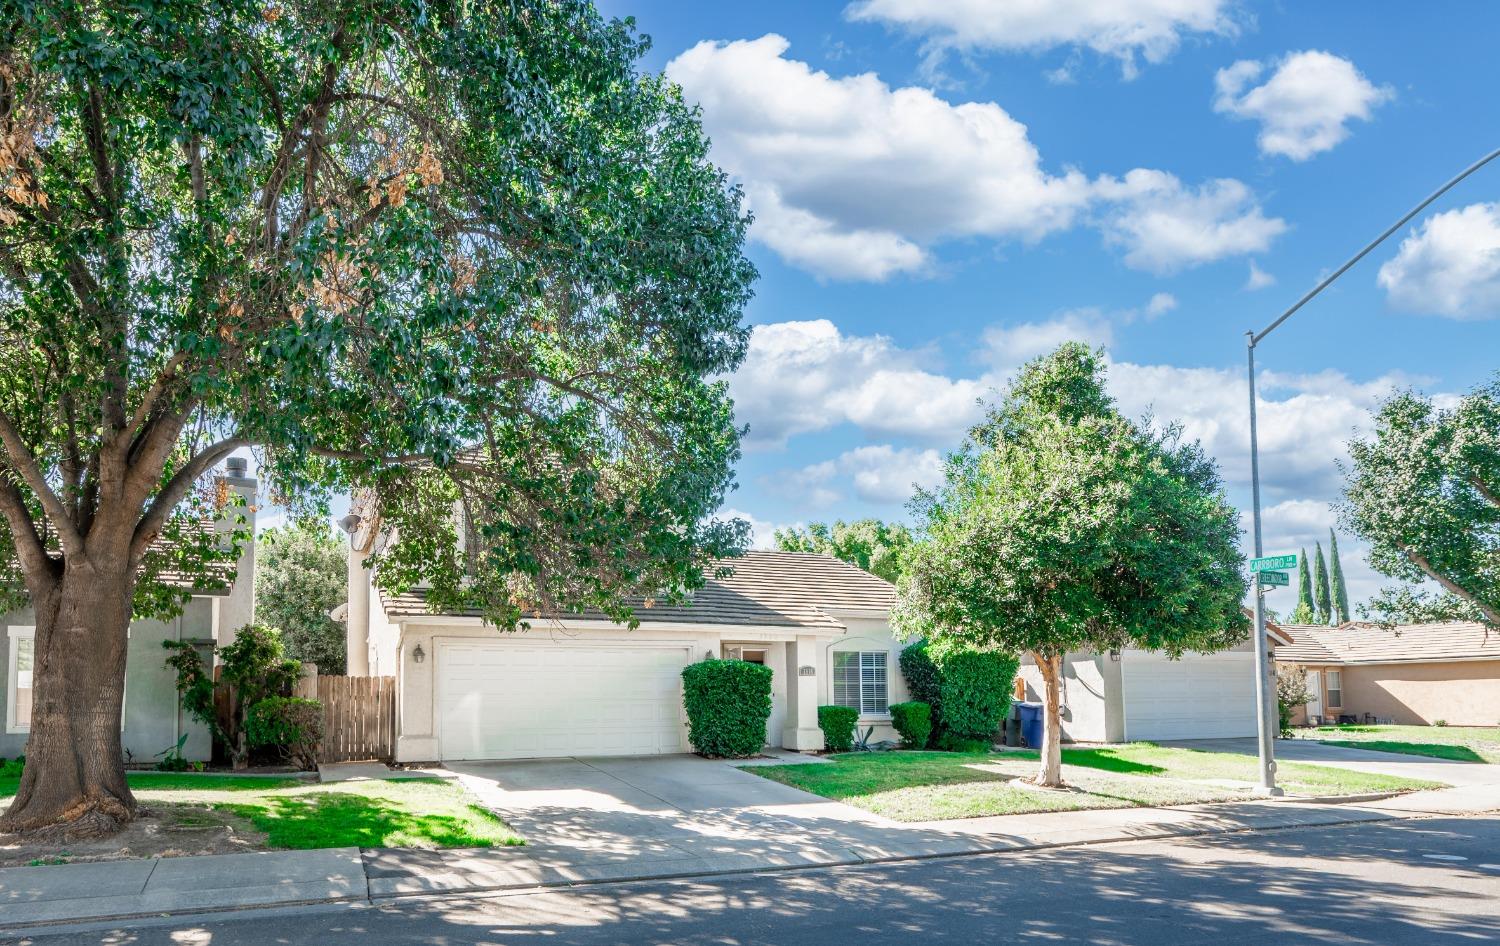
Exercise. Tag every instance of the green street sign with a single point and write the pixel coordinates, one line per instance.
(1273, 563)
(1275, 579)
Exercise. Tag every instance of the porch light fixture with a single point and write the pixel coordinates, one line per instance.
(418, 654)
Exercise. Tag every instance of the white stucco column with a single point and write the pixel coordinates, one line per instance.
(357, 628)
(801, 732)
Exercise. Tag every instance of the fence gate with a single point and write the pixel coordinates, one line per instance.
(359, 718)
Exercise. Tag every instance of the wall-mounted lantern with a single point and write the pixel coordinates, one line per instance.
(418, 654)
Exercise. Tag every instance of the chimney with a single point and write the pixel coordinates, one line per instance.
(357, 615)
(238, 608)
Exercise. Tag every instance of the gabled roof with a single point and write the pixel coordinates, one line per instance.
(1406, 643)
(773, 589)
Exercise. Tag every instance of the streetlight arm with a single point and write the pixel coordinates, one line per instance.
(1256, 337)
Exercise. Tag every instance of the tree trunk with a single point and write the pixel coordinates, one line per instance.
(73, 785)
(1050, 773)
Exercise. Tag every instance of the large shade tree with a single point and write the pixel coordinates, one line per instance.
(1063, 526)
(463, 256)
(1424, 491)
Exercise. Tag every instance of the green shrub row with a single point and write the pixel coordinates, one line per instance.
(728, 703)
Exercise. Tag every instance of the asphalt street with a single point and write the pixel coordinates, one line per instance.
(1424, 881)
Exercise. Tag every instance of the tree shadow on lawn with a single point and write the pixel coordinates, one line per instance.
(1108, 760)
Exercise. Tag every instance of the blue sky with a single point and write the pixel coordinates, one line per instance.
(945, 189)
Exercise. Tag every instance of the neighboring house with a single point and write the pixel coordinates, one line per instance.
(582, 685)
(1414, 674)
(1130, 695)
(153, 716)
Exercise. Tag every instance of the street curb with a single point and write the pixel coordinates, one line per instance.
(11, 928)
(1347, 799)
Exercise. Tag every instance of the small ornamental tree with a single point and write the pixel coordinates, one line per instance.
(875, 546)
(1424, 491)
(1063, 526)
(452, 255)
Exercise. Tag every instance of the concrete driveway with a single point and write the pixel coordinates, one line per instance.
(676, 807)
(1460, 774)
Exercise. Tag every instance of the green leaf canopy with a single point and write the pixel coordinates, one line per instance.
(1063, 526)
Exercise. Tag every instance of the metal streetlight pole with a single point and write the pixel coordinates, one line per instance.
(1265, 713)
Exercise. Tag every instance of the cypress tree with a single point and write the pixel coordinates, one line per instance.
(1304, 611)
(1336, 581)
(1322, 596)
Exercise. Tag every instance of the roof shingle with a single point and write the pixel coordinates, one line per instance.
(775, 589)
(1407, 643)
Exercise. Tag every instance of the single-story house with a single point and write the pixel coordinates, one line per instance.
(153, 716)
(1130, 695)
(579, 684)
(1413, 674)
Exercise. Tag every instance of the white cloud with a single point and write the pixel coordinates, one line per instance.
(1305, 106)
(877, 474)
(1122, 29)
(1160, 304)
(762, 531)
(1010, 346)
(850, 178)
(1165, 226)
(1450, 265)
(1258, 278)
(800, 377)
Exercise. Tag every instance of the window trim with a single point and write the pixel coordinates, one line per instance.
(859, 656)
(17, 633)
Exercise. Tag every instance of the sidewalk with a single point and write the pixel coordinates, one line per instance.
(32, 896)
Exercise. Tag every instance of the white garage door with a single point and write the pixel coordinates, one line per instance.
(1198, 697)
(501, 700)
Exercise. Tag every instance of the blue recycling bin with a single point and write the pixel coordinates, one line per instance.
(1030, 715)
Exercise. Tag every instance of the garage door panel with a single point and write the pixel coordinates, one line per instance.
(502, 700)
(1198, 697)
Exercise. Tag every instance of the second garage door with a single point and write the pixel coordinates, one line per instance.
(1201, 696)
(502, 700)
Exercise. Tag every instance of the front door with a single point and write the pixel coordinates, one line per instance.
(1315, 687)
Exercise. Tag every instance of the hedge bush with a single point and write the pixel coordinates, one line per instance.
(913, 721)
(925, 685)
(290, 724)
(968, 690)
(728, 703)
(837, 723)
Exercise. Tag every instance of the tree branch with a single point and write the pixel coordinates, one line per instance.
(25, 464)
(1484, 490)
(30, 548)
(1491, 614)
(173, 493)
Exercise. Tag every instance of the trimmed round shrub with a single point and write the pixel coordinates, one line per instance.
(913, 721)
(291, 724)
(976, 690)
(728, 703)
(837, 723)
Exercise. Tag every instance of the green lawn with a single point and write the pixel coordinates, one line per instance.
(1460, 743)
(423, 813)
(929, 786)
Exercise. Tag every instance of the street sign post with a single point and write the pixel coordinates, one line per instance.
(1273, 563)
(1274, 579)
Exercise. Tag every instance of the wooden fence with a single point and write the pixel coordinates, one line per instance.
(359, 718)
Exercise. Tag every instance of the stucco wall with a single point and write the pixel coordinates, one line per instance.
(867, 635)
(1091, 697)
(153, 720)
(418, 740)
(1462, 693)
